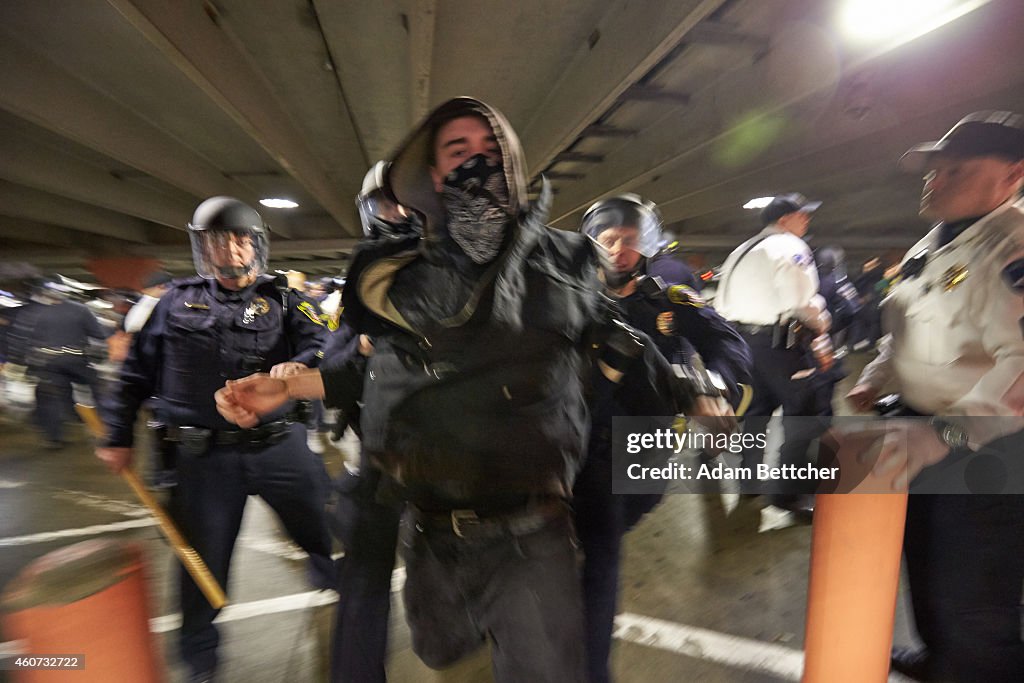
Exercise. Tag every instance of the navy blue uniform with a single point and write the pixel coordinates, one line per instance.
(198, 336)
(368, 531)
(56, 337)
(602, 518)
(673, 271)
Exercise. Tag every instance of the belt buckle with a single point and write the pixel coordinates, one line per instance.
(460, 517)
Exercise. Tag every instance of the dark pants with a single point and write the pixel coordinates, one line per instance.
(368, 531)
(208, 503)
(55, 395)
(602, 519)
(774, 387)
(520, 591)
(965, 564)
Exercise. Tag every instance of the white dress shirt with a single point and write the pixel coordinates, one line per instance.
(774, 281)
(955, 342)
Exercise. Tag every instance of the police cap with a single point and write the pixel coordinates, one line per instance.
(983, 133)
(784, 204)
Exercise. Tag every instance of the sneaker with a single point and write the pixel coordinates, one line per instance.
(314, 442)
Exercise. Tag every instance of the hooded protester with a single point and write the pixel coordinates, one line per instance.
(475, 395)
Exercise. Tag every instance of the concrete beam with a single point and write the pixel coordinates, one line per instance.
(634, 37)
(654, 93)
(39, 91)
(39, 166)
(422, 19)
(21, 202)
(34, 232)
(722, 33)
(197, 45)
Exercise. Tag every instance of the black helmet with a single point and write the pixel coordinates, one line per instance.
(380, 214)
(219, 220)
(626, 210)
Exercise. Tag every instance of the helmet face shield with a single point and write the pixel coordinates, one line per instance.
(382, 216)
(229, 254)
(625, 213)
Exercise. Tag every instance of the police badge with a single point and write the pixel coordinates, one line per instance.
(257, 306)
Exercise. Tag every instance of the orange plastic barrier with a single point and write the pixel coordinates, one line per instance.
(855, 571)
(86, 599)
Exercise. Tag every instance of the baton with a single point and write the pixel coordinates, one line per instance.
(188, 556)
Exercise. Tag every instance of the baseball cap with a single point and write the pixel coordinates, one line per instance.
(983, 133)
(787, 203)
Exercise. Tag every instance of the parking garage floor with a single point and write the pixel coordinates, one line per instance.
(712, 590)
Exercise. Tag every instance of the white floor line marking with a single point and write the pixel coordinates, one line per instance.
(256, 608)
(10, 484)
(99, 502)
(733, 651)
(96, 529)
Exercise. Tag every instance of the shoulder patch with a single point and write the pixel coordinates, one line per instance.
(308, 310)
(1013, 276)
(685, 296)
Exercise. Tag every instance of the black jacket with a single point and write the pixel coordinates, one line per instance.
(493, 400)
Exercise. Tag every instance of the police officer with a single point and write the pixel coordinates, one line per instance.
(769, 289)
(628, 230)
(228, 322)
(475, 401)
(955, 350)
(52, 335)
(365, 524)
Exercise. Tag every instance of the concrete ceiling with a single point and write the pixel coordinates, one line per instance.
(118, 116)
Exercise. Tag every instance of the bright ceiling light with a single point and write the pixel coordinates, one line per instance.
(899, 21)
(273, 203)
(758, 203)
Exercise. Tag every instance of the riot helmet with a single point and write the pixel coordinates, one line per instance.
(627, 211)
(229, 239)
(380, 214)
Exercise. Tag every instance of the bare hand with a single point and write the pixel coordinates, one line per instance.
(905, 447)
(243, 401)
(862, 397)
(115, 458)
(282, 370)
(365, 345)
(714, 414)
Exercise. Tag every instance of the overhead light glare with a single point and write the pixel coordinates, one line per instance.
(758, 203)
(899, 21)
(275, 203)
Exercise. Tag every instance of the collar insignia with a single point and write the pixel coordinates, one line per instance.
(952, 278)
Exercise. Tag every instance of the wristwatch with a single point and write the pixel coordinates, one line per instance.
(951, 434)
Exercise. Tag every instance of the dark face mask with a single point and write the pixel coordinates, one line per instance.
(475, 197)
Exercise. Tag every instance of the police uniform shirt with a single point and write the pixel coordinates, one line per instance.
(956, 325)
(774, 281)
(200, 335)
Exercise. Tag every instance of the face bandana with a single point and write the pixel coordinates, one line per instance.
(475, 195)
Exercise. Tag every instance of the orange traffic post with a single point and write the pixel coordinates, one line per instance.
(87, 603)
(856, 547)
